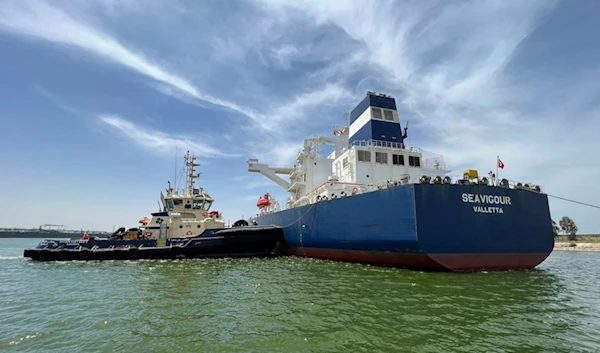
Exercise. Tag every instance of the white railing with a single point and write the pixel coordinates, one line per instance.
(385, 144)
(500, 182)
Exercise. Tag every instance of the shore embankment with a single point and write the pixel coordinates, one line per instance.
(583, 243)
(567, 246)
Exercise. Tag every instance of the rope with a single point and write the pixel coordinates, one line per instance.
(300, 226)
(299, 218)
(568, 200)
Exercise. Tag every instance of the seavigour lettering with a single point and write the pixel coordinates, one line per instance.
(491, 199)
(488, 199)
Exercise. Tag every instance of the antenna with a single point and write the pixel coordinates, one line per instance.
(175, 166)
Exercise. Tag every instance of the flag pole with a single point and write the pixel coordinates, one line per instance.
(497, 163)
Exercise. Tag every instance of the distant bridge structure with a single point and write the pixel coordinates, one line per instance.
(53, 227)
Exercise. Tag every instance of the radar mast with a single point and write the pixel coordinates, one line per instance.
(190, 164)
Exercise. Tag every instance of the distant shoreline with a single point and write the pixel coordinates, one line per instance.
(48, 236)
(564, 246)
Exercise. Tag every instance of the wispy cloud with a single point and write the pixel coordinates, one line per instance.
(455, 71)
(446, 64)
(41, 20)
(56, 101)
(72, 27)
(472, 78)
(158, 141)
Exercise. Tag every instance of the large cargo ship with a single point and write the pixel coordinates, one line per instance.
(373, 199)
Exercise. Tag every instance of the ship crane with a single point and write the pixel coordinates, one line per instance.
(270, 172)
(315, 142)
(311, 146)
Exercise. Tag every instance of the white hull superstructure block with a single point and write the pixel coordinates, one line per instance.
(371, 155)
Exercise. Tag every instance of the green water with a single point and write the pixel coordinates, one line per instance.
(293, 305)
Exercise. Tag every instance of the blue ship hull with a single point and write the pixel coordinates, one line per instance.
(429, 226)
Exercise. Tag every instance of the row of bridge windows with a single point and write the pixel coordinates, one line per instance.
(382, 157)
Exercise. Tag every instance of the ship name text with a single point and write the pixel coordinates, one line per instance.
(489, 199)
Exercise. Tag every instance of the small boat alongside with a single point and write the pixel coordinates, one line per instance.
(253, 241)
(184, 227)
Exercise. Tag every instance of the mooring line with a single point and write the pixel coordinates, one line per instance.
(569, 200)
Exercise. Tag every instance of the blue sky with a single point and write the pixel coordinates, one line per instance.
(99, 99)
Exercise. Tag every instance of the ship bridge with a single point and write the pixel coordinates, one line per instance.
(371, 151)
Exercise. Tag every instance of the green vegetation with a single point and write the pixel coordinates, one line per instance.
(555, 229)
(580, 239)
(567, 226)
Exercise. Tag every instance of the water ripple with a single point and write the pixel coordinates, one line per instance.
(294, 305)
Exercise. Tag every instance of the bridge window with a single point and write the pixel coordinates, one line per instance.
(388, 115)
(414, 161)
(398, 159)
(377, 113)
(364, 156)
(381, 157)
(178, 202)
(345, 162)
(198, 204)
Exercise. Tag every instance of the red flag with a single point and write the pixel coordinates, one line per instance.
(500, 164)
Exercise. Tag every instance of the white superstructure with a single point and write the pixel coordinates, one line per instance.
(184, 213)
(370, 154)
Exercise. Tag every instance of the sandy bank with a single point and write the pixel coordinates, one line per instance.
(564, 246)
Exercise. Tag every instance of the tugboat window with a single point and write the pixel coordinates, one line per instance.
(170, 206)
(207, 206)
(178, 202)
(198, 204)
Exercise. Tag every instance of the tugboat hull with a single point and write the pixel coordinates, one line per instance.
(235, 243)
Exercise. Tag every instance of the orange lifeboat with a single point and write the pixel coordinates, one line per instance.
(263, 201)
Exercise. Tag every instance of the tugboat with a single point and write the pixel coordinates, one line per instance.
(184, 227)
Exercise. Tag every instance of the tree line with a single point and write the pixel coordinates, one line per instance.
(565, 225)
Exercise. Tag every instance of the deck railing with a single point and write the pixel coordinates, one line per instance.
(347, 188)
(384, 144)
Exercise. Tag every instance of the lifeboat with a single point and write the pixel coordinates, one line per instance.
(263, 201)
